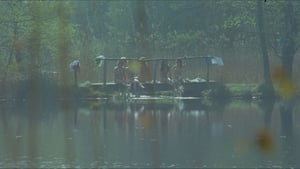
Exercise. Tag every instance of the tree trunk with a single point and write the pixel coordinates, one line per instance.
(141, 28)
(267, 88)
(262, 37)
(287, 59)
(289, 47)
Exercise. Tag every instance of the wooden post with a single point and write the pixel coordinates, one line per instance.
(154, 77)
(104, 72)
(208, 67)
(154, 72)
(75, 78)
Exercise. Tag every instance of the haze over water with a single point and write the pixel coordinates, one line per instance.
(182, 134)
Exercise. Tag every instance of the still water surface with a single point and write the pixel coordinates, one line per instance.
(179, 134)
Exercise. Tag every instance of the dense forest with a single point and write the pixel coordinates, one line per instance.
(43, 37)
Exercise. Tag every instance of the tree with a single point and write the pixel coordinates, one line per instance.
(289, 49)
(13, 25)
(289, 46)
(142, 35)
(264, 49)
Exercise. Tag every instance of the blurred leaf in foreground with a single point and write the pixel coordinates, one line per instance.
(134, 66)
(146, 120)
(264, 141)
(283, 83)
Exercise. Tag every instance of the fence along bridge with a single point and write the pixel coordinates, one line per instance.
(191, 88)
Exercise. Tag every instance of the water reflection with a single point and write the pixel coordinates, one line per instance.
(286, 114)
(287, 132)
(146, 134)
(267, 106)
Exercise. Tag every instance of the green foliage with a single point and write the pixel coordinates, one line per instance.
(32, 34)
(57, 32)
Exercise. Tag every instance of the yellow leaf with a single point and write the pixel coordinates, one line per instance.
(264, 141)
(134, 66)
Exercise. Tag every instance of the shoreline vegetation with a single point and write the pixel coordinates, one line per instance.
(46, 89)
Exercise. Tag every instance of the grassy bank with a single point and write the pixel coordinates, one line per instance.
(243, 91)
(44, 88)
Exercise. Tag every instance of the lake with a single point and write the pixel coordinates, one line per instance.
(175, 134)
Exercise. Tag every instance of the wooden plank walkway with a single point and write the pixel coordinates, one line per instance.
(190, 89)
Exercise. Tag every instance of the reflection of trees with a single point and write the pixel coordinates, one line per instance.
(21, 124)
(286, 115)
(288, 143)
(148, 119)
(267, 106)
(151, 132)
(11, 137)
(68, 134)
(124, 118)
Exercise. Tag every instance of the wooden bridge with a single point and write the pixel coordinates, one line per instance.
(191, 88)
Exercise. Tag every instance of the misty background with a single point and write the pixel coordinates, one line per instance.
(43, 37)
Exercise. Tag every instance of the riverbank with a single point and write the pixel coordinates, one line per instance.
(46, 89)
(218, 91)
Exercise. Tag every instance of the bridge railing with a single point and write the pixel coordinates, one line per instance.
(209, 60)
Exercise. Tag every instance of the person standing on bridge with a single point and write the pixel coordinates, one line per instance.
(120, 71)
(177, 71)
(145, 72)
(164, 72)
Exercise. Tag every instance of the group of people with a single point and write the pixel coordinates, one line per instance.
(171, 74)
(123, 74)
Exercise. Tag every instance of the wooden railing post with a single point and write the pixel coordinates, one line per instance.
(154, 72)
(75, 78)
(104, 72)
(208, 68)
